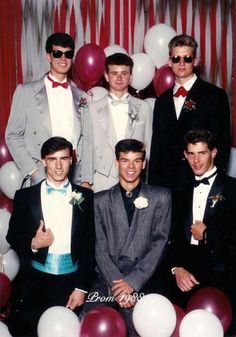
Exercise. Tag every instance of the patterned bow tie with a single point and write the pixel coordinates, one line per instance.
(204, 181)
(50, 189)
(116, 101)
(181, 92)
(56, 84)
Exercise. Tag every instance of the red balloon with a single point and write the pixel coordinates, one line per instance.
(163, 79)
(103, 322)
(179, 316)
(5, 202)
(5, 289)
(81, 85)
(90, 63)
(4, 153)
(213, 300)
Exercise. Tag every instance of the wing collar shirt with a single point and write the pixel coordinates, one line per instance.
(119, 115)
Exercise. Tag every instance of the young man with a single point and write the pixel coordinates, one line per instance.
(204, 234)
(116, 116)
(190, 104)
(48, 107)
(132, 222)
(52, 231)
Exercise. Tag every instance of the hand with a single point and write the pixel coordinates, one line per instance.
(86, 185)
(43, 238)
(184, 279)
(122, 292)
(197, 230)
(76, 299)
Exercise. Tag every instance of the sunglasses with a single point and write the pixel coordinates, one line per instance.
(58, 54)
(186, 59)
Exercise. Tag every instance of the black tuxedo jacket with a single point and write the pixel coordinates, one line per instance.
(206, 107)
(24, 222)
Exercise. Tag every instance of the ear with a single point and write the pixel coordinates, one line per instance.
(214, 152)
(117, 164)
(185, 154)
(44, 162)
(195, 62)
(169, 62)
(130, 79)
(106, 76)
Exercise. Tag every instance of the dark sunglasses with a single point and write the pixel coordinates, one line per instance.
(186, 58)
(58, 53)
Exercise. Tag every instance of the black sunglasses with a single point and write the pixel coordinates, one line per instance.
(186, 58)
(58, 53)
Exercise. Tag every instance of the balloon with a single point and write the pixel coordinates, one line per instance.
(163, 79)
(212, 300)
(5, 289)
(156, 43)
(58, 321)
(4, 224)
(4, 332)
(114, 48)
(153, 316)
(90, 63)
(10, 179)
(143, 71)
(103, 322)
(151, 101)
(5, 202)
(200, 323)
(179, 315)
(9, 264)
(97, 93)
(4, 153)
(80, 84)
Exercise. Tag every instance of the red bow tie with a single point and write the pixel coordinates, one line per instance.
(56, 84)
(181, 92)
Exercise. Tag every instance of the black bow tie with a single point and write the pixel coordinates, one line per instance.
(204, 181)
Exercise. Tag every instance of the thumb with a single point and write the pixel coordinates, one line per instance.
(41, 226)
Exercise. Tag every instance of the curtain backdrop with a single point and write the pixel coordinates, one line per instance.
(25, 25)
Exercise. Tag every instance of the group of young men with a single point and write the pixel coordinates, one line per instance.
(173, 236)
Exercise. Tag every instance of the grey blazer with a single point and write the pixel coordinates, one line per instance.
(29, 126)
(131, 252)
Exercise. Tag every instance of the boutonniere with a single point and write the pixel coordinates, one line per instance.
(215, 198)
(76, 198)
(189, 104)
(141, 202)
(133, 115)
(83, 103)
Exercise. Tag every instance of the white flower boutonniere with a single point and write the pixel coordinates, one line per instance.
(215, 198)
(133, 116)
(76, 198)
(141, 202)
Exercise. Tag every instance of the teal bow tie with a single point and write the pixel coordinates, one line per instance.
(51, 189)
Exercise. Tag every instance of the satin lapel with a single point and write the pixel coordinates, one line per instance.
(42, 104)
(216, 189)
(77, 213)
(76, 101)
(132, 118)
(189, 219)
(106, 125)
(35, 203)
(192, 99)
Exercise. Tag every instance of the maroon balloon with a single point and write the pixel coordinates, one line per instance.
(81, 85)
(179, 316)
(163, 79)
(215, 301)
(4, 153)
(5, 290)
(90, 63)
(5, 202)
(103, 322)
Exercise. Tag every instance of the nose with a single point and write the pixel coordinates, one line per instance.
(119, 76)
(58, 164)
(196, 158)
(131, 164)
(182, 62)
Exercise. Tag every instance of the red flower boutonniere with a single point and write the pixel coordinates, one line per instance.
(215, 199)
(83, 103)
(190, 104)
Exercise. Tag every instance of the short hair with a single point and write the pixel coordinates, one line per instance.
(182, 41)
(129, 145)
(119, 59)
(59, 39)
(200, 136)
(55, 144)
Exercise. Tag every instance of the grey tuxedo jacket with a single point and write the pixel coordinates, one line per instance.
(104, 136)
(29, 126)
(131, 252)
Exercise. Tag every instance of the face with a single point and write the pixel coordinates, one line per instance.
(119, 78)
(57, 166)
(183, 71)
(200, 158)
(59, 66)
(130, 166)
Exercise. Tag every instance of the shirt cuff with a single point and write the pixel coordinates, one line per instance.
(83, 291)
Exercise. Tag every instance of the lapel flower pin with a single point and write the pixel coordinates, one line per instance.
(133, 113)
(141, 202)
(190, 104)
(83, 103)
(76, 198)
(215, 198)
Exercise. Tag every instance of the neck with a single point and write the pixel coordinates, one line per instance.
(59, 77)
(182, 81)
(129, 186)
(119, 94)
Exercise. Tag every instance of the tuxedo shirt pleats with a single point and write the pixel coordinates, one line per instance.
(57, 213)
(119, 116)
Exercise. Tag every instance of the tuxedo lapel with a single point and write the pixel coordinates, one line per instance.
(133, 116)
(117, 203)
(216, 190)
(35, 203)
(42, 105)
(106, 124)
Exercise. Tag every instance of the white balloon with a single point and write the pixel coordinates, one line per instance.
(200, 323)
(10, 179)
(9, 264)
(151, 101)
(4, 224)
(143, 71)
(114, 48)
(4, 332)
(58, 321)
(156, 43)
(96, 93)
(154, 315)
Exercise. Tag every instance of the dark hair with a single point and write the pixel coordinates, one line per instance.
(200, 135)
(59, 39)
(55, 144)
(129, 145)
(119, 59)
(181, 41)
